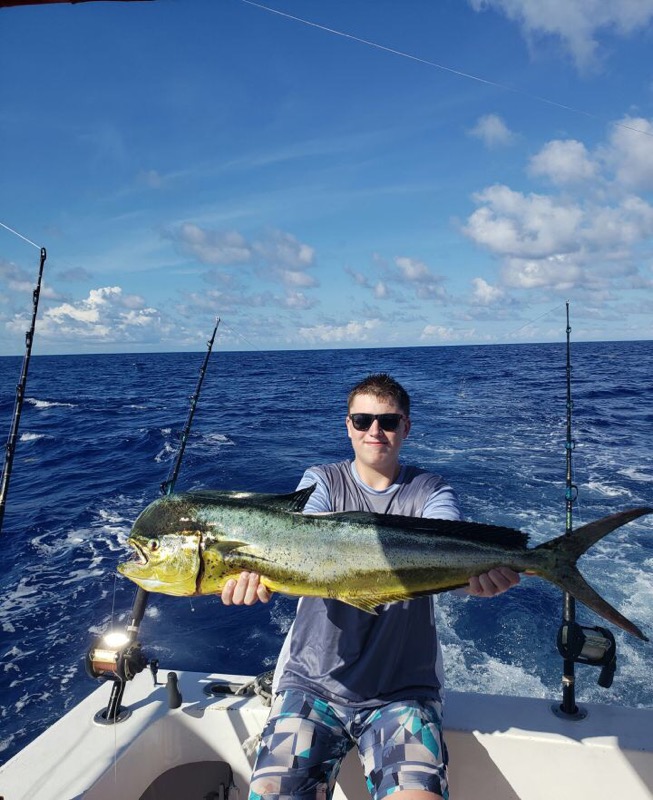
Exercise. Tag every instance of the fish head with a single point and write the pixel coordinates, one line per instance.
(166, 551)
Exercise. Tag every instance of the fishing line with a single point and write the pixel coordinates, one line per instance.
(459, 73)
(510, 334)
(20, 235)
(244, 338)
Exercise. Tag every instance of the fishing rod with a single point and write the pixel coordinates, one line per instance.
(118, 656)
(10, 447)
(576, 643)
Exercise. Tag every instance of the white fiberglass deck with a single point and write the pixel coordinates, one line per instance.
(501, 748)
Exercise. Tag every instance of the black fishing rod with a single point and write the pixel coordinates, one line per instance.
(119, 656)
(578, 644)
(167, 487)
(10, 447)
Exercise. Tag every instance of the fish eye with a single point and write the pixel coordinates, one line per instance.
(153, 544)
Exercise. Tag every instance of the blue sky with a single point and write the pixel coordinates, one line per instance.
(187, 159)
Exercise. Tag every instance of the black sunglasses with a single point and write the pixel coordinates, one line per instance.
(363, 422)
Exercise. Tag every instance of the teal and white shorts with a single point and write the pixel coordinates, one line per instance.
(306, 738)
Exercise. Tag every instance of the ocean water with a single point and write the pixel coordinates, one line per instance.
(99, 434)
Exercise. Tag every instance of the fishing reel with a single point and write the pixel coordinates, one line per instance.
(115, 656)
(594, 646)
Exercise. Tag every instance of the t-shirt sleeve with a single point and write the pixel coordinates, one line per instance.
(442, 503)
(319, 501)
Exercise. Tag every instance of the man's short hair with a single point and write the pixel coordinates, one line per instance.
(383, 387)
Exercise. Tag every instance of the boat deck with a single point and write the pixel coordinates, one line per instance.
(501, 748)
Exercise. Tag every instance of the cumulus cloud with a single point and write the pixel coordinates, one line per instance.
(577, 25)
(217, 248)
(285, 250)
(354, 331)
(415, 273)
(563, 162)
(510, 223)
(14, 278)
(297, 301)
(106, 315)
(492, 131)
(587, 234)
(485, 294)
(630, 154)
(444, 334)
(278, 256)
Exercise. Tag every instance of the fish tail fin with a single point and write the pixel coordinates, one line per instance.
(569, 548)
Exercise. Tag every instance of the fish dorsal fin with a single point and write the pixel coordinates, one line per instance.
(451, 529)
(293, 502)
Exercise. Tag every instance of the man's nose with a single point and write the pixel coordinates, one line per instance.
(375, 428)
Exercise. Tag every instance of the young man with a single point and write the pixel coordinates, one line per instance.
(346, 677)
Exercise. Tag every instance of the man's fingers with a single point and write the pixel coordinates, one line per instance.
(246, 590)
(494, 582)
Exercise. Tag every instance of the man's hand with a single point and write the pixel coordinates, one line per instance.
(494, 582)
(246, 591)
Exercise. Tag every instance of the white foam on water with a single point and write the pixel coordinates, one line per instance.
(75, 576)
(43, 404)
(468, 670)
(635, 474)
(6, 743)
(166, 453)
(33, 437)
(605, 490)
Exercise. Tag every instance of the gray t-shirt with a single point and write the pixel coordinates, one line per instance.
(349, 656)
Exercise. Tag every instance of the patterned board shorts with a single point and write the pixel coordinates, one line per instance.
(305, 739)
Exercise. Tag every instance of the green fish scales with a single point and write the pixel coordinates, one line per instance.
(193, 543)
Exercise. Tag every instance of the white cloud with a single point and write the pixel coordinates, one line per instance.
(296, 278)
(381, 291)
(213, 247)
(416, 273)
(297, 301)
(492, 131)
(14, 278)
(485, 294)
(630, 154)
(105, 315)
(563, 162)
(284, 250)
(589, 236)
(555, 272)
(510, 223)
(576, 24)
(279, 256)
(444, 334)
(354, 331)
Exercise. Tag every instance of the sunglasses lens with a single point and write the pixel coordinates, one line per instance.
(363, 422)
(389, 422)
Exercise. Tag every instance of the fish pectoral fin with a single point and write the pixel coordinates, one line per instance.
(370, 602)
(228, 545)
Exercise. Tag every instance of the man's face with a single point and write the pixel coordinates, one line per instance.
(375, 447)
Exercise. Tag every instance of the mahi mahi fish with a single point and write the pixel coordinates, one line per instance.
(192, 543)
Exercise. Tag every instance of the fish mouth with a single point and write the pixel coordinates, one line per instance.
(139, 554)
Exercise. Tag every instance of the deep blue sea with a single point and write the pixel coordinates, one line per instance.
(99, 434)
